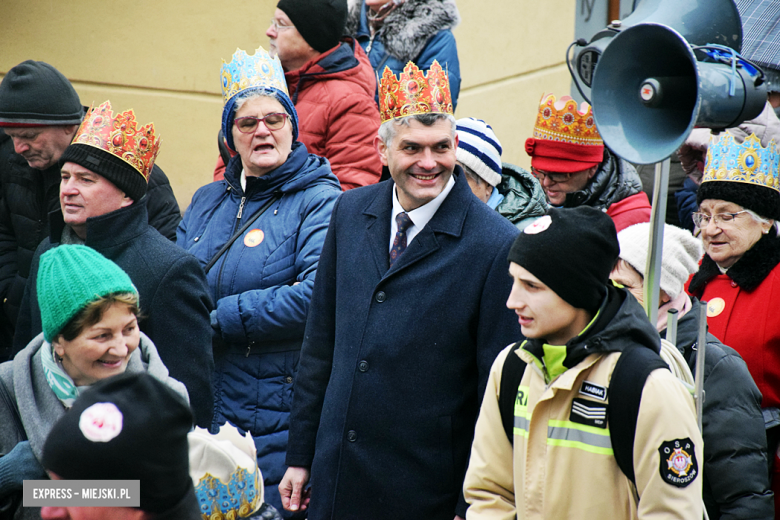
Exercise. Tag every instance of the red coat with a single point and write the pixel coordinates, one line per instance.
(337, 115)
(744, 319)
(634, 209)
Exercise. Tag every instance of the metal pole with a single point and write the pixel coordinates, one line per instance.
(656, 245)
(671, 327)
(701, 347)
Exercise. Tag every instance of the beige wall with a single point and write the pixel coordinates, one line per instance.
(163, 60)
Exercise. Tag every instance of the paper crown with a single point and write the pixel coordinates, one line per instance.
(562, 121)
(120, 136)
(414, 92)
(223, 468)
(258, 71)
(748, 162)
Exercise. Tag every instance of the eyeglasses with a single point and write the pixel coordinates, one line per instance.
(248, 124)
(702, 220)
(554, 177)
(279, 27)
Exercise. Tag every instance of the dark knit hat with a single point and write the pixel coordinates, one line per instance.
(128, 427)
(69, 278)
(572, 251)
(320, 22)
(124, 176)
(36, 94)
(764, 201)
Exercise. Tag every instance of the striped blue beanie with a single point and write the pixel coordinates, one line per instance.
(479, 149)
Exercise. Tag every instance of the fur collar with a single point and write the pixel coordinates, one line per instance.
(749, 271)
(407, 29)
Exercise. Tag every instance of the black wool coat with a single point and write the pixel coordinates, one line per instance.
(174, 297)
(395, 360)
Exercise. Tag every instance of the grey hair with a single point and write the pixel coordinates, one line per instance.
(474, 176)
(253, 94)
(388, 129)
(761, 220)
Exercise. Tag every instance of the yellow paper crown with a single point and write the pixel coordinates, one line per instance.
(120, 136)
(414, 92)
(748, 162)
(562, 121)
(244, 71)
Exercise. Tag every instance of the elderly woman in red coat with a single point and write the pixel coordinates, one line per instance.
(739, 277)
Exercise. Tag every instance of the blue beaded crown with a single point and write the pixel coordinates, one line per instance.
(244, 71)
(748, 162)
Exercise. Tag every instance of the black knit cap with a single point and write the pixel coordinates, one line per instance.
(320, 22)
(572, 251)
(124, 176)
(36, 94)
(764, 201)
(128, 427)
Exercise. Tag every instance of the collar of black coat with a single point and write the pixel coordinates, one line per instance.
(116, 227)
(615, 180)
(748, 272)
(621, 323)
(455, 206)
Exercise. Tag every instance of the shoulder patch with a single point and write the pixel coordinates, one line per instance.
(678, 462)
(588, 413)
(593, 390)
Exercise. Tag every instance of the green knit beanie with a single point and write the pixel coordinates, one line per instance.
(69, 278)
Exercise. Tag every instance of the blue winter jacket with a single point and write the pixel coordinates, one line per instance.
(441, 46)
(262, 288)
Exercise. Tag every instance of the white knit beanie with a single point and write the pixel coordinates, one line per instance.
(681, 254)
(479, 149)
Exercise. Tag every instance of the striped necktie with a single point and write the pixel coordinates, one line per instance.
(399, 244)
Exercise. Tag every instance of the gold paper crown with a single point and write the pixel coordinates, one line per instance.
(120, 136)
(244, 71)
(414, 92)
(748, 162)
(562, 121)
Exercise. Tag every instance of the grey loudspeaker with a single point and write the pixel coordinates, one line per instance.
(649, 91)
(700, 22)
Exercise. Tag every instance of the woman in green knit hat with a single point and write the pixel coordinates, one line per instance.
(89, 312)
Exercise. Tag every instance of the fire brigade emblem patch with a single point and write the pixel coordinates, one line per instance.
(678, 462)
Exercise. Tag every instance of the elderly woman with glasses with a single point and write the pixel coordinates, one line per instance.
(739, 277)
(259, 233)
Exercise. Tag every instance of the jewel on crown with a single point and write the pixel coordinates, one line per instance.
(120, 136)
(414, 92)
(244, 71)
(749, 162)
(563, 121)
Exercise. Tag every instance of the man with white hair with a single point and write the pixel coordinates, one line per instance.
(406, 318)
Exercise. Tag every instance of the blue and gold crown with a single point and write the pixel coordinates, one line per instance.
(258, 71)
(748, 162)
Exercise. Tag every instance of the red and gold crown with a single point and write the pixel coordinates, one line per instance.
(120, 136)
(414, 92)
(563, 121)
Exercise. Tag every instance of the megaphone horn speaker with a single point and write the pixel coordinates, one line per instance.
(649, 91)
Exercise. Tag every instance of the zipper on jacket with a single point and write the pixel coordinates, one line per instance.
(224, 257)
(370, 43)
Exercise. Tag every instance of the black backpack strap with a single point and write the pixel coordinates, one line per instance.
(511, 376)
(624, 394)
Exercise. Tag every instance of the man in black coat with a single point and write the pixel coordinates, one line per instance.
(39, 113)
(102, 205)
(407, 315)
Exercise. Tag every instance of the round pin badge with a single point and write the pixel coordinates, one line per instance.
(101, 422)
(254, 238)
(538, 225)
(715, 306)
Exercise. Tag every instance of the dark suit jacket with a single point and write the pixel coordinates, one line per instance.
(395, 361)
